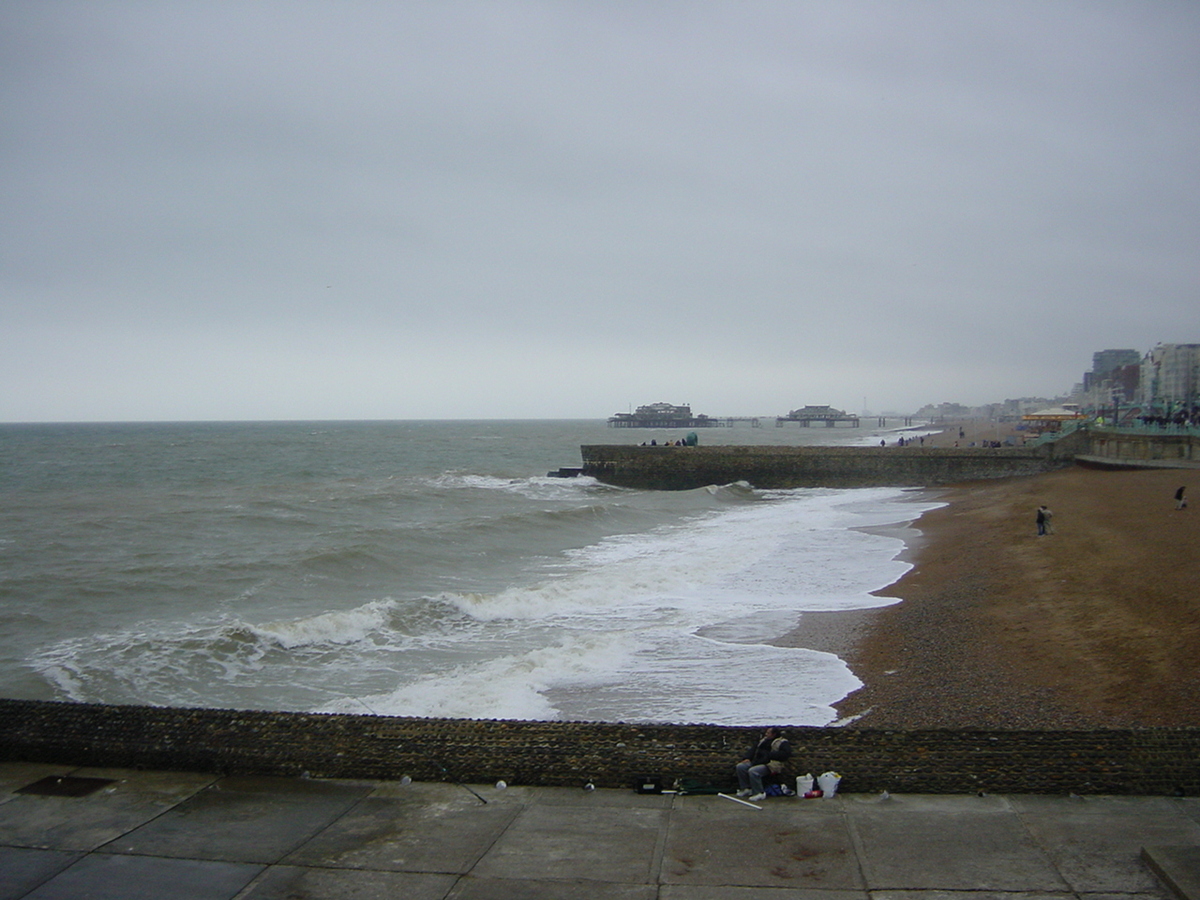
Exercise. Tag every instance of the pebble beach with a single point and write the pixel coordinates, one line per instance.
(1096, 625)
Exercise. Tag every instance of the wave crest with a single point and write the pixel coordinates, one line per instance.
(338, 627)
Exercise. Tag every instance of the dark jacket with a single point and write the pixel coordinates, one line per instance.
(775, 749)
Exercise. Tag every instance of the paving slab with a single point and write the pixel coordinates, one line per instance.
(417, 828)
(948, 843)
(298, 883)
(789, 843)
(1178, 868)
(85, 823)
(23, 869)
(1096, 842)
(100, 876)
(471, 888)
(590, 842)
(741, 892)
(244, 820)
(1190, 807)
(576, 797)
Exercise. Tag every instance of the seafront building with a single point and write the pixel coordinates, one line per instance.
(1106, 364)
(1170, 374)
(1164, 381)
(1115, 378)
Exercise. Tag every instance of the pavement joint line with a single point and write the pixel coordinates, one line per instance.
(860, 849)
(171, 807)
(500, 833)
(353, 806)
(1042, 849)
(658, 856)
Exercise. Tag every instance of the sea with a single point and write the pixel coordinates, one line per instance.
(424, 568)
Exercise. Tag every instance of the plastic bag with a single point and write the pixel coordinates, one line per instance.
(828, 782)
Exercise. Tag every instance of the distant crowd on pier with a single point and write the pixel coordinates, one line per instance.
(690, 441)
(920, 441)
(1182, 418)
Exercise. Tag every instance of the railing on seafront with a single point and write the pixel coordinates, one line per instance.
(1049, 437)
(1149, 428)
(1140, 428)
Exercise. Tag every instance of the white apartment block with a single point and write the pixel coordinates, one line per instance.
(1171, 374)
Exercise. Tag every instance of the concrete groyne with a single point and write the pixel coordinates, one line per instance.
(685, 468)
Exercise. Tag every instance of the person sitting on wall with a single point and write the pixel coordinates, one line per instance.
(767, 757)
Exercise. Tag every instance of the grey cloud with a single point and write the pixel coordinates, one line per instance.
(1017, 182)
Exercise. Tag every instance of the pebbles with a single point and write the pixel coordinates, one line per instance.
(1092, 627)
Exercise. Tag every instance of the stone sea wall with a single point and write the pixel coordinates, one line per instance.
(1147, 448)
(1161, 761)
(685, 468)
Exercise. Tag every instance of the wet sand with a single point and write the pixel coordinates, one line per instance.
(1096, 625)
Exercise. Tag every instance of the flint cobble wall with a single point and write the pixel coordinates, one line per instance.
(686, 468)
(1160, 761)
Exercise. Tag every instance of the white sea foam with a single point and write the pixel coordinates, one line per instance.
(506, 687)
(328, 628)
(631, 674)
(673, 624)
(534, 487)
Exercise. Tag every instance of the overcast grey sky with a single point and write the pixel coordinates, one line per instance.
(277, 210)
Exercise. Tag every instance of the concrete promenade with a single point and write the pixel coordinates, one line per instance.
(153, 834)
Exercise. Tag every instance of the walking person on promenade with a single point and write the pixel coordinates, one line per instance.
(764, 758)
(1181, 498)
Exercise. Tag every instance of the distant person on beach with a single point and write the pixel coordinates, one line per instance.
(764, 758)
(1043, 521)
(1181, 498)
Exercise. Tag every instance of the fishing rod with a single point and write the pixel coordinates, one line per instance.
(445, 774)
(465, 787)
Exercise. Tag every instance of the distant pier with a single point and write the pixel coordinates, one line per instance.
(667, 415)
(662, 415)
(827, 421)
(626, 421)
(826, 415)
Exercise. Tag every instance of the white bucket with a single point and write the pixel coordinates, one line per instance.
(804, 784)
(828, 782)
